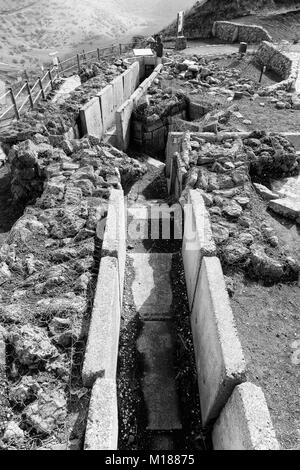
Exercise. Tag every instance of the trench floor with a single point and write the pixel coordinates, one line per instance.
(157, 383)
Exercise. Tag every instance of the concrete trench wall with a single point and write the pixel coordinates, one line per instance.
(101, 356)
(99, 114)
(287, 66)
(235, 409)
(233, 32)
(124, 113)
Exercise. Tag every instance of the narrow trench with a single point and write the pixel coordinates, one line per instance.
(157, 381)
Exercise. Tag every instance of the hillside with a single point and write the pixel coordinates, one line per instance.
(32, 29)
(200, 18)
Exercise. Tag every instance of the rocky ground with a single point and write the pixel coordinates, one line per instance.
(261, 268)
(49, 264)
(231, 84)
(57, 118)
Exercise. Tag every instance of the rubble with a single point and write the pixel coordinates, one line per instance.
(46, 413)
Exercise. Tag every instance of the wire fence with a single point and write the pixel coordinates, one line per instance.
(13, 104)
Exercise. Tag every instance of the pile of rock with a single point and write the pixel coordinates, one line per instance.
(85, 164)
(220, 170)
(271, 155)
(47, 271)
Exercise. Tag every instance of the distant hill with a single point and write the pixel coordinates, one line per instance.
(203, 14)
(31, 29)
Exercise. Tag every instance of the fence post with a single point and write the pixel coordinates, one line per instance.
(30, 95)
(50, 77)
(98, 52)
(14, 103)
(78, 62)
(41, 87)
(59, 65)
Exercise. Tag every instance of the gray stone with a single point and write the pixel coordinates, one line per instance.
(221, 234)
(47, 412)
(232, 210)
(264, 192)
(24, 391)
(235, 253)
(13, 434)
(31, 345)
(265, 267)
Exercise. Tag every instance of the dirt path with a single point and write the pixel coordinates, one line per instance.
(208, 49)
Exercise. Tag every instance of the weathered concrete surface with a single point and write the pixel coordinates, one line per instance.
(114, 240)
(197, 241)
(265, 192)
(155, 344)
(118, 92)
(288, 207)
(289, 187)
(128, 83)
(173, 146)
(151, 288)
(91, 118)
(106, 97)
(123, 117)
(102, 422)
(101, 353)
(245, 422)
(219, 357)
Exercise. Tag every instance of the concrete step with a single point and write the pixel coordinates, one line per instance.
(151, 288)
(156, 345)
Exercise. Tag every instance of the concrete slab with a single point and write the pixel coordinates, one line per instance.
(123, 118)
(197, 241)
(289, 187)
(127, 83)
(219, 357)
(106, 97)
(264, 192)
(118, 92)
(151, 288)
(288, 207)
(91, 118)
(135, 68)
(101, 353)
(155, 344)
(156, 163)
(245, 422)
(102, 423)
(114, 240)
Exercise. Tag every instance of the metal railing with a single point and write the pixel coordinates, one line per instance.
(27, 96)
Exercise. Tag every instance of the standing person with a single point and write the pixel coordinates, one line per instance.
(159, 48)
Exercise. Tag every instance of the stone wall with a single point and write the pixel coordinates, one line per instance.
(274, 59)
(151, 132)
(233, 32)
